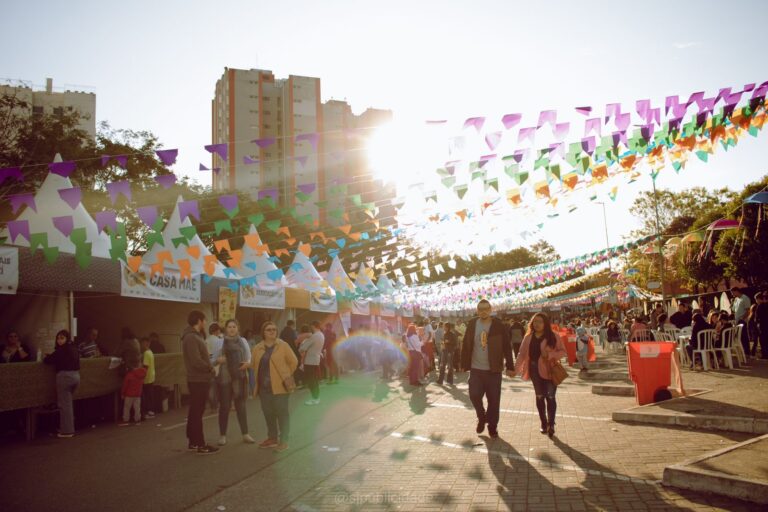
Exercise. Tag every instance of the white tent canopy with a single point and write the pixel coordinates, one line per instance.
(173, 230)
(338, 279)
(364, 279)
(257, 266)
(49, 205)
(303, 274)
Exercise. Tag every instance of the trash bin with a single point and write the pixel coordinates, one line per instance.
(570, 348)
(650, 367)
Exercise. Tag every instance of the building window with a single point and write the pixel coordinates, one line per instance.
(37, 110)
(58, 111)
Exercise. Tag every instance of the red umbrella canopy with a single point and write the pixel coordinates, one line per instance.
(723, 224)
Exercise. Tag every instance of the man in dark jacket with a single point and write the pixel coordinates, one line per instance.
(683, 317)
(485, 349)
(199, 375)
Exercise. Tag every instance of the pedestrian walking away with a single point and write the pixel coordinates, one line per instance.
(541, 346)
(486, 351)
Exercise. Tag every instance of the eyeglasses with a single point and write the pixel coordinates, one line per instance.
(271, 329)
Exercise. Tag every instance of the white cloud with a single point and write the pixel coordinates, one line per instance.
(687, 44)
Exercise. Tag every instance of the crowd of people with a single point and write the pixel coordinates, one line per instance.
(224, 367)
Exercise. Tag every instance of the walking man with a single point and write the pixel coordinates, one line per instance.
(486, 351)
(199, 375)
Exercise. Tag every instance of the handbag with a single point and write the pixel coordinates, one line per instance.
(556, 372)
(289, 382)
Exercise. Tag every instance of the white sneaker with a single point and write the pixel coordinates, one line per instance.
(247, 439)
(317, 401)
(222, 440)
(309, 402)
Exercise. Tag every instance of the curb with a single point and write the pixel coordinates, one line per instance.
(613, 390)
(704, 422)
(684, 477)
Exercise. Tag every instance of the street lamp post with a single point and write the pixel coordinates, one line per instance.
(605, 225)
(658, 239)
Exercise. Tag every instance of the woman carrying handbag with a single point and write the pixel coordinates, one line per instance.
(539, 361)
(274, 362)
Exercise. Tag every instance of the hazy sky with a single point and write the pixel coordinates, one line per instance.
(153, 65)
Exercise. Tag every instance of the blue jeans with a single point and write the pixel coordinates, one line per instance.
(66, 384)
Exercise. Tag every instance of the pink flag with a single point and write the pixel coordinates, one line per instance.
(71, 196)
(511, 120)
(560, 130)
(64, 224)
(493, 140)
(547, 116)
(526, 133)
(19, 200)
(477, 122)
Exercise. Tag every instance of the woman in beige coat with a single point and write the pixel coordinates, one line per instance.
(273, 362)
(540, 347)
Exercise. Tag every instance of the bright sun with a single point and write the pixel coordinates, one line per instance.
(403, 153)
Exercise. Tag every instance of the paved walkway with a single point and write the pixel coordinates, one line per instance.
(374, 446)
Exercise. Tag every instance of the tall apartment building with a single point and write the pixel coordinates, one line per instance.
(53, 102)
(252, 105)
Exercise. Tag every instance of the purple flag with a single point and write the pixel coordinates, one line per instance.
(64, 224)
(654, 115)
(19, 200)
(592, 125)
(620, 137)
(265, 142)
(612, 110)
(477, 122)
(18, 227)
(558, 148)
(585, 111)
(707, 104)
(116, 188)
(189, 208)
(203, 168)
(560, 130)
(249, 161)
(679, 110)
(670, 103)
(547, 116)
(302, 160)
(167, 156)
(122, 161)
(588, 144)
(622, 121)
(216, 170)
(646, 131)
(166, 180)
(519, 155)
(105, 160)
(106, 218)
(674, 123)
(228, 202)
(748, 87)
(269, 192)
(723, 93)
(733, 99)
(526, 133)
(695, 97)
(642, 107)
(493, 140)
(148, 215)
(63, 169)
(219, 149)
(312, 138)
(11, 172)
(511, 120)
(71, 196)
(307, 188)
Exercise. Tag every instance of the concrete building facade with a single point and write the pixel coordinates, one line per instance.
(53, 102)
(260, 117)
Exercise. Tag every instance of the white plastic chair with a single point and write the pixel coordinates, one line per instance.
(682, 343)
(726, 347)
(686, 330)
(642, 335)
(663, 336)
(675, 333)
(706, 340)
(737, 348)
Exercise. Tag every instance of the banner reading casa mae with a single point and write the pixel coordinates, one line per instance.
(169, 286)
(266, 298)
(9, 270)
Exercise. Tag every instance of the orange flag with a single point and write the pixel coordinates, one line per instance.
(210, 264)
(185, 268)
(194, 251)
(156, 268)
(346, 228)
(134, 262)
(462, 214)
(281, 252)
(221, 244)
(290, 241)
(305, 249)
(284, 230)
(600, 172)
(252, 240)
(235, 258)
(355, 236)
(164, 256)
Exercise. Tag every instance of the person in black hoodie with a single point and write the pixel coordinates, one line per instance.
(66, 360)
(485, 349)
(200, 372)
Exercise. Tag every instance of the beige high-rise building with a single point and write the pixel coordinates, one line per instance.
(280, 135)
(53, 102)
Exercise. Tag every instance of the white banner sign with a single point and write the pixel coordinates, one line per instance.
(407, 311)
(9, 270)
(266, 298)
(361, 307)
(323, 302)
(169, 286)
(387, 310)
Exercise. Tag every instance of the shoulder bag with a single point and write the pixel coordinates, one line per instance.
(556, 372)
(289, 382)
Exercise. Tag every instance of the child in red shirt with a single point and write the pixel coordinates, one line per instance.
(131, 394)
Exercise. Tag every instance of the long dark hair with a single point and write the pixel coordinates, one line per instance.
(549, 334)
(66, 335)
